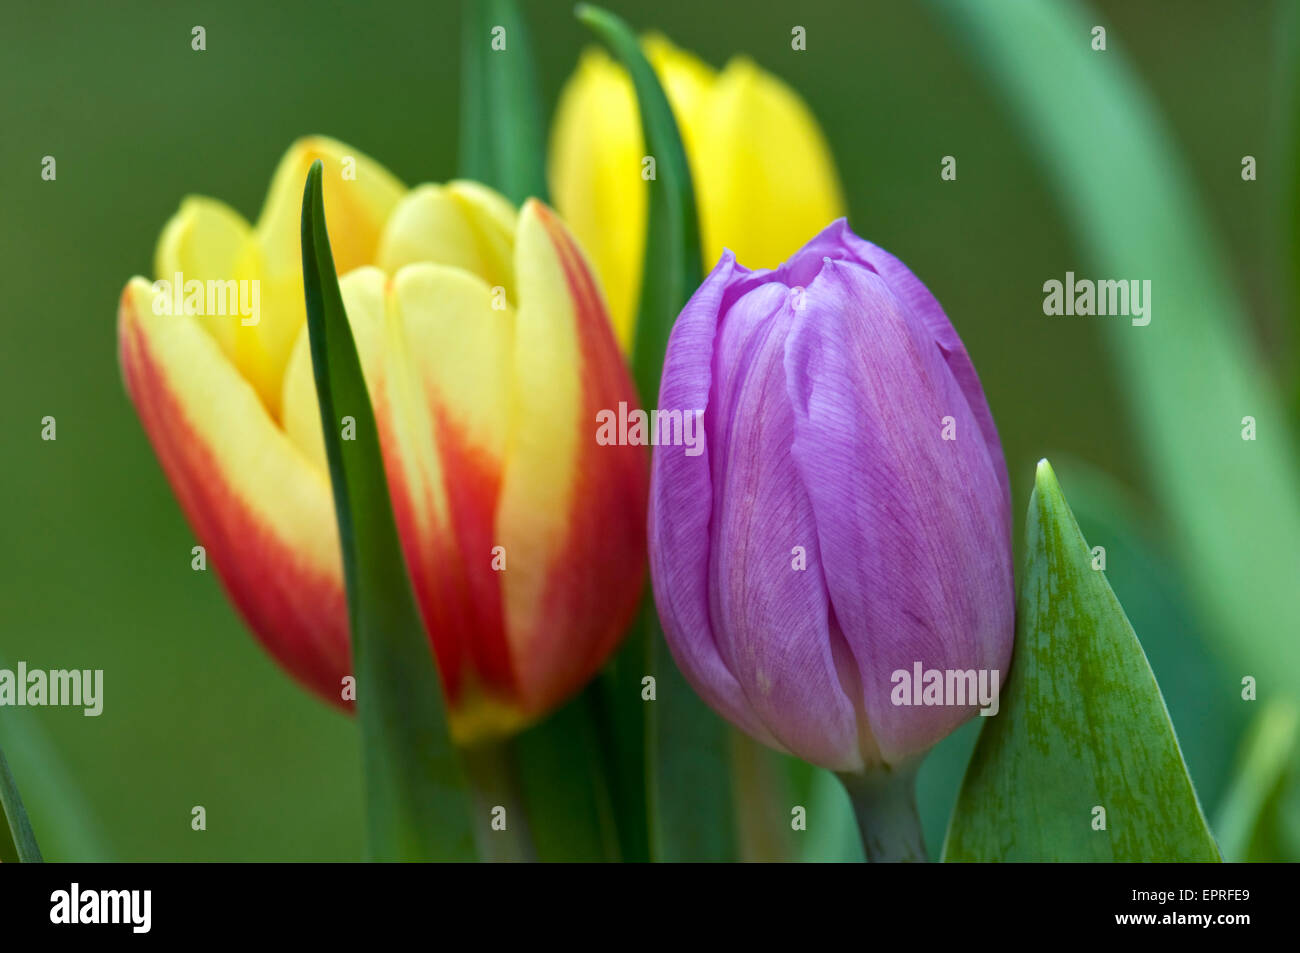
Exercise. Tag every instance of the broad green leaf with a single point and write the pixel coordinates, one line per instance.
(1260, 817)
(686, 745)
(19, 842)
(501, 136)
(1203, 697)
(416, 804)
(1191, 375)
(1082, 727)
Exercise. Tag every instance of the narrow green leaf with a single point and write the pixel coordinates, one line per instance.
(1251, 824)
(1082, 726)
(672, 252)
(416, 804)
(20, 843)
(565, 788)
(687, 751)
(1190, 375)
(502, 141)
(70, 829)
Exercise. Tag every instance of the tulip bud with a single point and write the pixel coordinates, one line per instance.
(759, 162)
(487, 353)
(849, 519)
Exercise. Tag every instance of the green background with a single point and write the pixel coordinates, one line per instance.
(94, 553)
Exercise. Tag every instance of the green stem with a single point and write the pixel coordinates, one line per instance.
(884, 802)
(493, 775)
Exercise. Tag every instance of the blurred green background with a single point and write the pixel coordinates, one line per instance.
(95, 562)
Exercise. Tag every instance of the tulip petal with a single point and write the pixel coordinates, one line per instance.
(363, 298)
(204, 240)
(915, 548)
(359, 197)
(838, 241)
(595, 177)
(446, 426)
(762, 168)
(263, 512)
(461, 225)
(681, 507)
(572, 512)
(775, 628)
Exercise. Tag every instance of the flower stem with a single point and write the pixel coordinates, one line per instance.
(884, 802)
(494, 777)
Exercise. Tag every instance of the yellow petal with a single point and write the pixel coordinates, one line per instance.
(263, 512)
(572, 514)
(763, 173)
(687, 80)
(359, 197)
(363, 300)
(447, 427)
(204, 240)
(595, 179)
(462, 225)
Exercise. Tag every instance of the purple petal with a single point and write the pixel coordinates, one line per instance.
(838, 242)
(681, 500)
(772, 620)
(913, 529)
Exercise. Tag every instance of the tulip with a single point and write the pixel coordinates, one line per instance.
(762, 171)
(487, 353)
(849, 516)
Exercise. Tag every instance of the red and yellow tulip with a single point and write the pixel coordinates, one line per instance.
(487, 351)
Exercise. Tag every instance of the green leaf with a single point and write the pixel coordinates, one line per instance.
(502, 141)
(1082, 725)
(565, 789)
(20, 844)
(672, 269)
(1252, 823)
(1191, 375)
(71, 831)
(416, 804)
(1205, 705)
(687, 752)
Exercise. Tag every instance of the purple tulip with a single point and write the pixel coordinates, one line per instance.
(849, 518)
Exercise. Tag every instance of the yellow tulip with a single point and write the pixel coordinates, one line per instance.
(764, 178)
(487, 353)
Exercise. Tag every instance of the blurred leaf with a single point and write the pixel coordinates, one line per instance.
(18, 842)
(1253, 824)
(1205, 707)
(70, 831)
(416, 804)
(501, 135)
(687, 758)
(1082, 725)
(565, 789)
(1191, 375)
(832, 835)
